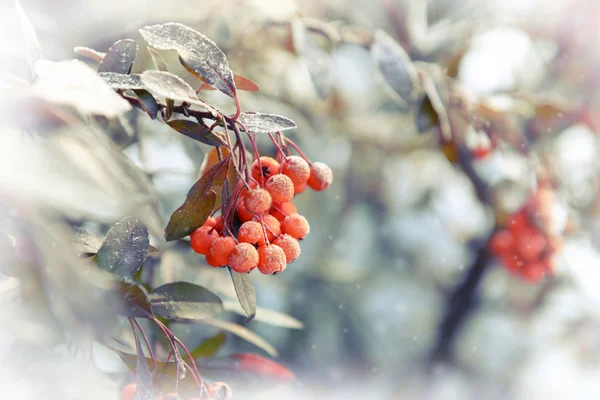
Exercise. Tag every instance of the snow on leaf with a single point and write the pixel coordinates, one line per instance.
(265, 123)
(120, 57)
(122, 81)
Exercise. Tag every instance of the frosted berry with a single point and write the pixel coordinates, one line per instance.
(296, 168)
(282, 210)
(501, 242)
(210, 221)
(290, 247)
(280, 187)
(251, 232)
(531, 245)
(257, 201)
(272, 226)
(300, 188)
(128, 392)
(202, 238)
(296, 226)
(271, 259)
(242, 212)
(220, 251)
(321, 176)
(267, 168)
(534, 272)
(244, 258)
(220, 391)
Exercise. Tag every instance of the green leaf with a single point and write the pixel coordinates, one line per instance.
(120, 57)
(427, 117)
(210, 346)
(198, 54)
(125, 248)
(184, 300)
(244, 289)
(32, 44)
(244, 333)
(265, 123)
(135, 302)
(147, 101)
(266, 316)
(395, 65)
(198, 204)
(195, 131)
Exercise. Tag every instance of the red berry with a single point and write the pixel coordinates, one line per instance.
(244, 258)
(530, 245)
(242, 212)
(257, 201)
(220, 251)
(280, 187)
(501, 242)
(128, 392)
(271, 259)
(296, 168)
(296, 226)
(282, 210)
(251, 232)
(220, 391)
(210, 221)
(272, 226)
(267, 168)
(290, 247)
(518, 221)
(321, 176)
(202, 238)
(300, 188)
(534, 272)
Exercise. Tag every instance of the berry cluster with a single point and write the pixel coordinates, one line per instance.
(522, 247)
(270, 224)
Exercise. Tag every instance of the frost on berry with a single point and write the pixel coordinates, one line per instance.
(321, 176)
(297, 169)
(251, 232)
(272, 226)
(290, 247)
(257, 201)
(296, 226)
(202, 238)
(280, 187)
(271, 259)
(244, 258)
(220, 251)
(265, 169)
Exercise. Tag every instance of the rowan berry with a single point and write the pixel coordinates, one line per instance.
(290, 247)
(220, 251)
(280, 187)
(128, 392)
(530, 245)
(534, 272)
(251, 232)
(518, 221)
(271, 259)
(321, 176)
(501, 242)
(300, 188)
(282, 210)
(296, 168)
(296, 226)
(257, 201)
(272, 226)
(202, 238)
(210, 221)
(220, 391)
(267, 168)
(244, 258)
(242, 212)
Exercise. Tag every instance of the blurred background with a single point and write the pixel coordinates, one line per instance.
(396, 290)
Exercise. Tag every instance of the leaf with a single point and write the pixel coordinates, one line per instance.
(396, 67)
(184, 300)
(198, 204)
(198, 54)
(74, 84)
(125, 248)
(157, 59)
(244, 333)
(171, 86)
(267, 316)
(122, 81)
(89, 53)
(85, 242)
(210, 346)
(245, 84)
(135, 302)
(427, 117)
(147, 101)
(195, 131)
(244, 289)
(145, 386)
(32, 44)
(265, 123)
(120, 57)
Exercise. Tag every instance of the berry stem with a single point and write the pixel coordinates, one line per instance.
(279, 149)
(139, 326)
(243, 154)
(291, 143)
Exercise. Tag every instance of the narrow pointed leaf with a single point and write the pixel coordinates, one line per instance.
(147, 101)
(145, 386)
(125, 248)
(32, 44)
(245, 84)
(244, 289)
(120, 57)
(210, 346)
(89, 53)
(266, 316)
(195, 131)
(396, 67)
(198, 54)
(184, 300)
(427, 118)
(157, 59)
(265, 123)
(244, 333)
(198, 204)
(122, 81)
